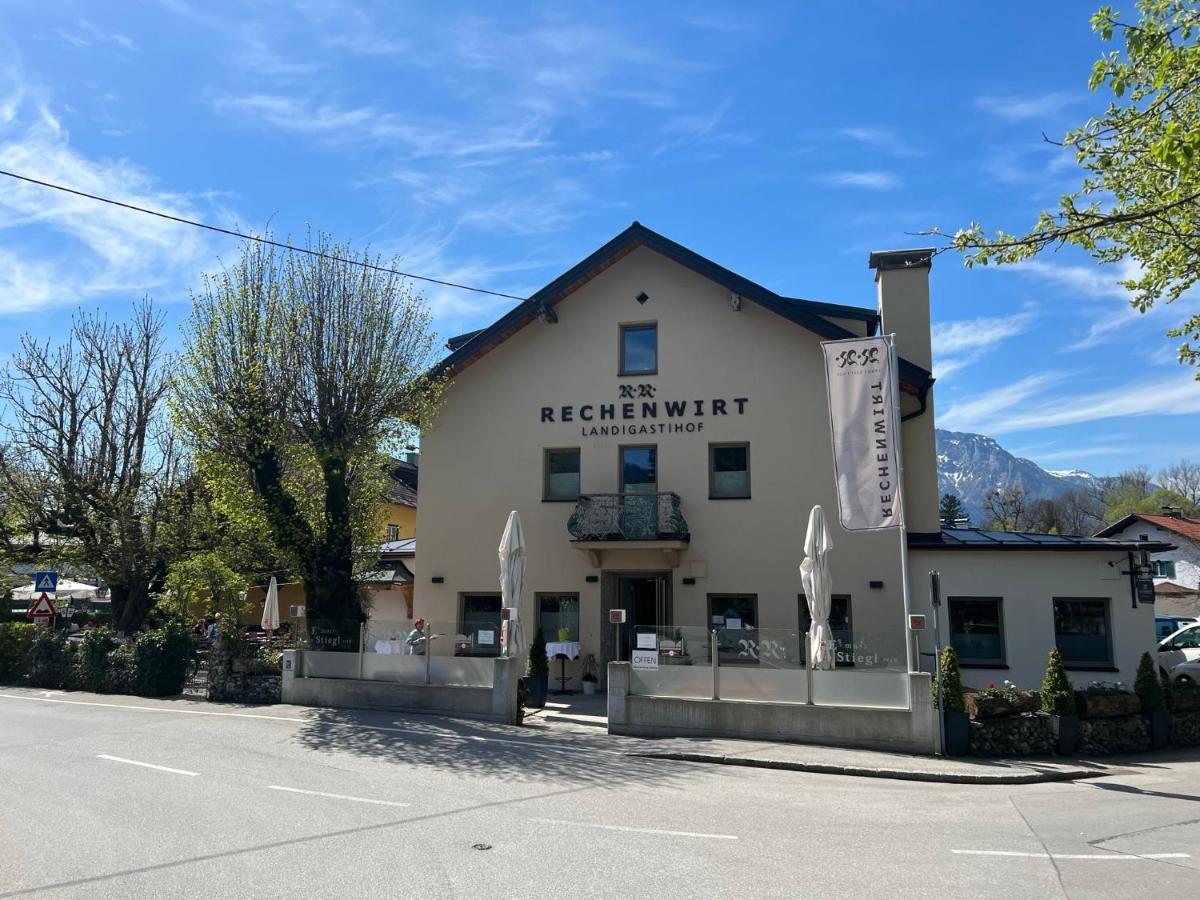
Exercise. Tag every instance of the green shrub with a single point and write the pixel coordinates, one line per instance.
(49, 659)
(118, 677)
(1058, 697)
(1147, 686)
(538, 664)
(92, 661)
(161, 659)
(15, 640)
(952, 687)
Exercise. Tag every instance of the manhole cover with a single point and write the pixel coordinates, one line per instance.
(481, 846)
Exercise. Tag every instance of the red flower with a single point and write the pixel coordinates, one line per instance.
(991, 685)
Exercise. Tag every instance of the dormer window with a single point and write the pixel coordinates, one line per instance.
(639, 349)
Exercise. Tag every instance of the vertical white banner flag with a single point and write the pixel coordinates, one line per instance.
(865, 422)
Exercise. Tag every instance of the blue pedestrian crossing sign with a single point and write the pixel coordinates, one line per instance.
(45, 581)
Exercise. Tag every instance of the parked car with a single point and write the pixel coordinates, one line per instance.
(1186, 673)
(1165, 625)
(1181, 647)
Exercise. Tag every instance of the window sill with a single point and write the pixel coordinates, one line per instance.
(560, 499)
(637, 374)
(1071, 668)
(738, 497)
(979, 665)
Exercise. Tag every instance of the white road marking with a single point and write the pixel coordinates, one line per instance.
(158, 709)
(1106, 856)
(692, 834)
(144, 765)
(292, 790)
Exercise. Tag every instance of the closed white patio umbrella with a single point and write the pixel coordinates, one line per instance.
(512, 579)
(270, 616)
(818, 586)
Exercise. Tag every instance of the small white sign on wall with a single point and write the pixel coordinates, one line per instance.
(644, 659)
(647, 641)
(485, 638)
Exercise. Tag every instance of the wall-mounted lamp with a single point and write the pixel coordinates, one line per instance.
(689, 581)
(592, 579)
(438, 579)
(875, 585)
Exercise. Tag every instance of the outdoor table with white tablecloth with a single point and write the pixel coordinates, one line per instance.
(564, 650)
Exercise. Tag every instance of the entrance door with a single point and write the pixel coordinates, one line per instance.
(646, 599)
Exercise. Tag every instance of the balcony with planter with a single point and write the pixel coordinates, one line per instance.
(629, 521)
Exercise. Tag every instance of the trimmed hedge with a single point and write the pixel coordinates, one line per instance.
(1058, 697)
(16, 638)
(160, 660)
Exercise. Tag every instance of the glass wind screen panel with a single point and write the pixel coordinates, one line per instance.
(639, 470)
(557, 612)
(480, 634)
(562, 474)
(735, 619)
(730, 472)
(1081, 631)
(975, 630)
(639, 349)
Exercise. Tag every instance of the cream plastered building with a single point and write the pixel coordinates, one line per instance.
(661, 424)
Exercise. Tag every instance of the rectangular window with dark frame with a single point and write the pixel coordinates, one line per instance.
(977, 630)
(839, 623)
(558, 613)
(478, 626)
(735, 619)
(639, 470)
(639, 349)
(1082, 632)
(729, 471)
(393, 533)
(561, 474)
(1163, 568)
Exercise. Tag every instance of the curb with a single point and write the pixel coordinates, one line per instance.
(865, 772)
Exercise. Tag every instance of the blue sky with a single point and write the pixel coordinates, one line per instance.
(498, 144)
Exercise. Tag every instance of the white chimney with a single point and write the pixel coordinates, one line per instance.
(902, 282)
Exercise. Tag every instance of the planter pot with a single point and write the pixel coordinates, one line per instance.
(1066, 734)
(536, 687)
(958, 732)
(1159, 722)
(564, 635)
(589, 687)
(979, 707)
(1109, 706)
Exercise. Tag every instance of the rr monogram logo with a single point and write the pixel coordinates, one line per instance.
(866, 357)
(630, 391)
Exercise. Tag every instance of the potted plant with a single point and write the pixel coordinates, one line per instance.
(1058, 699)
(948, 696)
(589, 679)
(537, 671)
(1154, 702)
(565, 609)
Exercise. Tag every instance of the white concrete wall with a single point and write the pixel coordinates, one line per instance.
(1028, 582)
(483, 458)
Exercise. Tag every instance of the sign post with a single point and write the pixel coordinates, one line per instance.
(617, 618)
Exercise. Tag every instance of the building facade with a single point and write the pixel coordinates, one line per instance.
(661, 424)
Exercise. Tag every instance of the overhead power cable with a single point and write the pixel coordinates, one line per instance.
(257, 239)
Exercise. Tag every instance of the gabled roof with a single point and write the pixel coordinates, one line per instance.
(1170, 588)
(808, 313)
(1184, 526)
(978, 539)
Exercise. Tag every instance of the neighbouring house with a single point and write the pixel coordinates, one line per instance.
(662, 426)
(1177, 570)
(399, 508)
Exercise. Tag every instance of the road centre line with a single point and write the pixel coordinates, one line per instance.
(145, 765)
(1042, 855)
(292, 790)
(530, 742)
(691, 834)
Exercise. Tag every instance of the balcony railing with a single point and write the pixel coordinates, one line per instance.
(628, 517)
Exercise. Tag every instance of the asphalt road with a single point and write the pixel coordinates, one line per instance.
(122, 797)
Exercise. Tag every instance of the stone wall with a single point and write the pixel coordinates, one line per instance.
(1030, 734)
(1185, 729)
(235, 676)
(1123, 734)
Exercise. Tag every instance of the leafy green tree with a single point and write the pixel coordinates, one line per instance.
(300, 369)
(951, 510)
(203, 584)
(1139, 199)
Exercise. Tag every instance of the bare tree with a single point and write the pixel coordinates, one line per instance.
(90, 452)
(1184, 479)
(1007, 508)
(299, 367)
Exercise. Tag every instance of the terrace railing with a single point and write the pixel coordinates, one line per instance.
(628, 517)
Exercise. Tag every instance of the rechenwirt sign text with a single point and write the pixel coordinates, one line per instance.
(636, 405)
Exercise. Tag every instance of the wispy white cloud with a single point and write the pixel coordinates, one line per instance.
(88, 33)
(880, 138)
(870, 180)
(1027, 404)
(1016, 109)
(959, 344)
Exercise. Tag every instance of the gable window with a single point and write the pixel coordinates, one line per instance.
(1164, 568)
(393, 533)
(561, 478)
(977, 630)
(479, 626)
(728, 471)
(1082, 633)
(839, 624)
(639, 349)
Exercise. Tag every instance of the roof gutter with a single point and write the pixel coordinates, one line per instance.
(923, 399)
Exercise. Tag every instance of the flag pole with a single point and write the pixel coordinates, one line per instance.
(899, 441)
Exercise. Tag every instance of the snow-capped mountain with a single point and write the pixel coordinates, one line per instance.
(972, 465)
